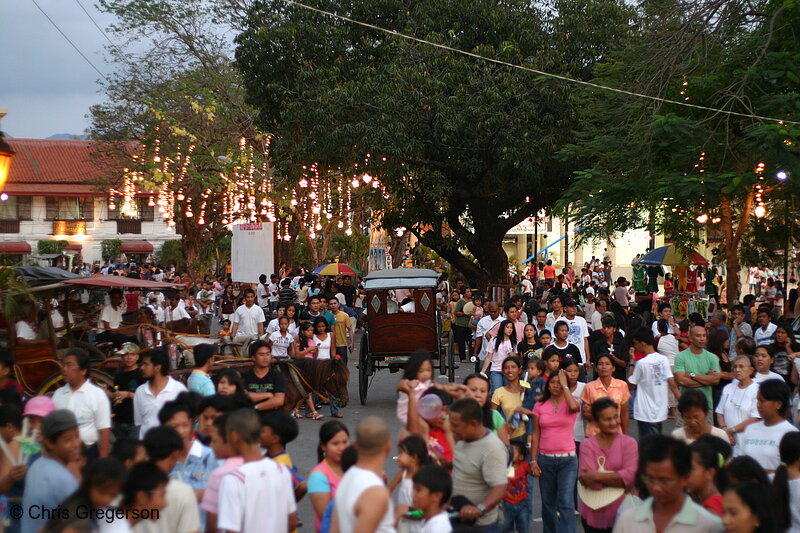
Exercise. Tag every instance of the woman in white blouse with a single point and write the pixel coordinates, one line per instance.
(323, 338)
(738, 405)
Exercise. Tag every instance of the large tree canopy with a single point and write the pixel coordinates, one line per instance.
(679, 170)
(470, 146)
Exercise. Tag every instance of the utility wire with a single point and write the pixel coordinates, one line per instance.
(96, 25)
(539, 72)
(69, 40)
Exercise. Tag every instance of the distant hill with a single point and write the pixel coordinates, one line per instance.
(67, 137)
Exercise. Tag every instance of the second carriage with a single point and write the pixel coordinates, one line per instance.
(401, 317)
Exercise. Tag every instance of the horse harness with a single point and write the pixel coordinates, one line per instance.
(302, 383)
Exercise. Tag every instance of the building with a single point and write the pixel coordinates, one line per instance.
(54, 193)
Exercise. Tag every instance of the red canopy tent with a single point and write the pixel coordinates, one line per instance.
(121, 282)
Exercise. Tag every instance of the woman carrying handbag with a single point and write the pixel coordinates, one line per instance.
(606, 468)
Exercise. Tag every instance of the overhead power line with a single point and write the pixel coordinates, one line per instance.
(535, 71)
(64, 35)
(96, 25)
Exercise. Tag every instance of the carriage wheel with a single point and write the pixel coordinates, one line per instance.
(451, 362)
(364, 364)
(443, 356)
(98, 377)
(95, 354)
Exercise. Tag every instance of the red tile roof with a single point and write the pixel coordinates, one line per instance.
(56, 162)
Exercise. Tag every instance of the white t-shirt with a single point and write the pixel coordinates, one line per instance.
(668, 347)
(761, 442)
(355, 481)
(484, 326)
(262, 295)
(272, 327)
(146, 406)
(405, 492)
(273, 289)
(580, 428)
(651, 375)
(324, 351)
(248, 319)
(118, 525)
(181, 515)
(91, 407)
(737, 405)
(110, 315)
(439, 523)
(179, 313)
(25, 331)
(578, 331)
(656, 333)
(794, 505)
(761, 378)
(765, 338)
(280, 344)
(256, 497)
(527, 288)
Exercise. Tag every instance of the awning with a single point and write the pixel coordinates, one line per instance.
(15, 247)
(118, 281)
(74, 247)
(136, 247)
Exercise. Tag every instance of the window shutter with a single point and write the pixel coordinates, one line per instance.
(148, 212)
(87, 208)
(51, 211)
(24, 207)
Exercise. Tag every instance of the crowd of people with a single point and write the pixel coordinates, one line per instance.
(562, 371)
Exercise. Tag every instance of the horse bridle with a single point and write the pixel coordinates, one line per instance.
(338, 400)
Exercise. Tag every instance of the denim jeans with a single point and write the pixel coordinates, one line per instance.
(648, 428)
(496, 380)
(557, 488)
(517, 516)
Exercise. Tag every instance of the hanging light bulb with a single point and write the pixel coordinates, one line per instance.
(340, 224)
(348, 232)
(312, 235)
(367, 178)
(760, 211)
(702, 219)
(303, 183)
(354, 183)
(781, 175)
(318, 227)
(201, 221)
(180, 197)
(151, 202)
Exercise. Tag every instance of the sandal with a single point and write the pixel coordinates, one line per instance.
(315, 415)
(338, 415)
(296, 413)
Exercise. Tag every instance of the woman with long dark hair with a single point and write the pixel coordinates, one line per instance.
(499, 349)
(784, 350)
(324, 478)
(553, 454)
(786, 486)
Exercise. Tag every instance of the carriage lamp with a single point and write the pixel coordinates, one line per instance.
(6, 153)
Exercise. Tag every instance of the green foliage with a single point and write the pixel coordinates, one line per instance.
(110, 249)
(660, 166)
(171, 253)
(470, 145)
(51, 247)
(352, 250)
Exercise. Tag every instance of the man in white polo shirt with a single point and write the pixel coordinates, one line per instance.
(88, 403)
(160, 388)
(248, 321)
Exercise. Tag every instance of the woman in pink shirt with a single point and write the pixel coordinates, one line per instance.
(553, 457)
(619, 456)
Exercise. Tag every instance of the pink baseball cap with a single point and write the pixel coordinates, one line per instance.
(39, 406)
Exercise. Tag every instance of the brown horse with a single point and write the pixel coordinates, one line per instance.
(326, 377)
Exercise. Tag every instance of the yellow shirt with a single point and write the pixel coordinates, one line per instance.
(508, 402)
(340, 328)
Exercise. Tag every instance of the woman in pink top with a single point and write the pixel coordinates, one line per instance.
(324, 478)
(619, 455)
(554, 460)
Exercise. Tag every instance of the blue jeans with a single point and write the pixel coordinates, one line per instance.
(517, 516)
(496, 380)
(648, 428)
(557, 488)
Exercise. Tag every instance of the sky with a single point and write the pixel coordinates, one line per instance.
(45, 85)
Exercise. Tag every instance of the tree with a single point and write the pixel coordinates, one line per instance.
(469, 145)
(680, 170)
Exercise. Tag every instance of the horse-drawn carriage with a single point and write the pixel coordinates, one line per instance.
(37, 362)
(401, 318)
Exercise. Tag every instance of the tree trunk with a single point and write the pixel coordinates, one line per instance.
(312, 249)
(190, 245)
(732, 239)
(397, 248)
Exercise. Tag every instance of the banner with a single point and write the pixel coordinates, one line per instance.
(252, 251)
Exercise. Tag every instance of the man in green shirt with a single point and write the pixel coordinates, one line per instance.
(461, 331)
(696, 367)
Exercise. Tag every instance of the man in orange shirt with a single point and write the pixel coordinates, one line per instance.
(550, 272)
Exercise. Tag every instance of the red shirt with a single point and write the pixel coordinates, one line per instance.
(437, 442)
(713, 504)
(549, 272)
(517, 488)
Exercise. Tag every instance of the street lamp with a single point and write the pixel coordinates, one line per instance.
(6, 153)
